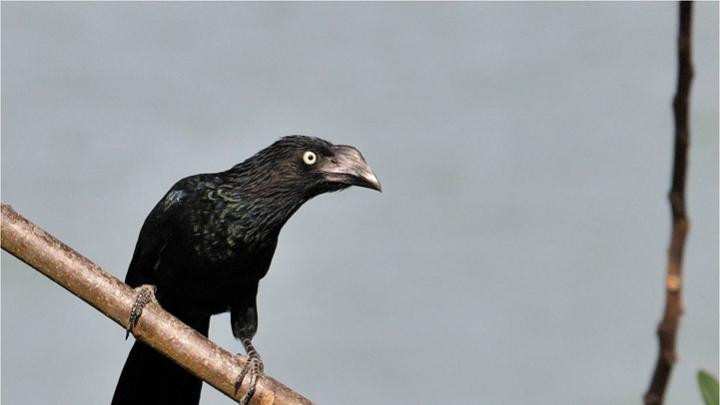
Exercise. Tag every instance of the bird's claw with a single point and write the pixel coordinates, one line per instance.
(145, 294)
(254, 369)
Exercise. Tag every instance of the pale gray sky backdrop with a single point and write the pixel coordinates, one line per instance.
(515, 256)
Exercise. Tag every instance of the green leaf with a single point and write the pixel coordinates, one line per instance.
(708, 388)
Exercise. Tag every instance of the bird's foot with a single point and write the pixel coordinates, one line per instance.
(145, 294)
(252, 369)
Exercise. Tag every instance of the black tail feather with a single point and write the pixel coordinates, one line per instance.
(149, 377)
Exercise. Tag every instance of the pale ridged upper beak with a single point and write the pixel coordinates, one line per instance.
(348, 166)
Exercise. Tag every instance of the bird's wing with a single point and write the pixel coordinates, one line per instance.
(155, 235)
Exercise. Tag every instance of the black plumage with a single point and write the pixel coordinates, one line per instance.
(209, 241)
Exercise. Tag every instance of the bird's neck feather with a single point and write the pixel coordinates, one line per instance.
(262, 206)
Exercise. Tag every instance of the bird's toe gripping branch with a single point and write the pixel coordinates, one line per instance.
(145, 294)
(253, 368)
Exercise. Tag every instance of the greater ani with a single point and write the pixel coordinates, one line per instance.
(205, 246)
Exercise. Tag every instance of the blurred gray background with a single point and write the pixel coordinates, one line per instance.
(516, 255)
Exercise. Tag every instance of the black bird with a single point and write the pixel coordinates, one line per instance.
(205, 246)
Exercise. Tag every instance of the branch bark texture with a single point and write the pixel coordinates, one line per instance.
(668, 327)
(112, 297)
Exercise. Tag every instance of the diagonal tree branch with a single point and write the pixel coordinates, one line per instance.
(667, 329)
(156, 327)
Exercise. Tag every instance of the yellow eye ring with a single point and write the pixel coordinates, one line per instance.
(310, 158)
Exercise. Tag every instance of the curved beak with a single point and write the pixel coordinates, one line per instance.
(348, 166)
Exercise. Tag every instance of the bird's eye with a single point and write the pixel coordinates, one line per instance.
(309, 158)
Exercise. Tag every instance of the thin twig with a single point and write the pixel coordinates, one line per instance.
(157, 327)
(667, 329)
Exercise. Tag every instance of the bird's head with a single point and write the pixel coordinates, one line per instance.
(310, 166)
